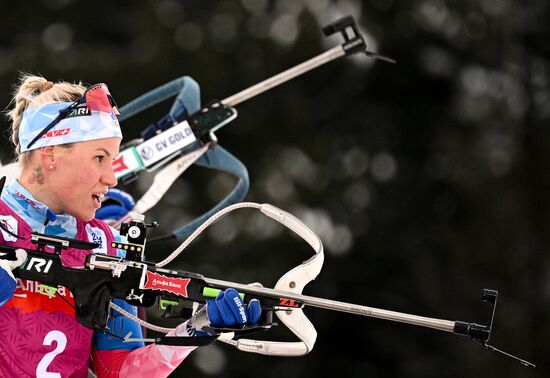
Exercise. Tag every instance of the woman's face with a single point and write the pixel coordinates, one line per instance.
(81, 174)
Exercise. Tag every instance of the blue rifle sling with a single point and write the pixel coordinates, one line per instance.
(188, 102)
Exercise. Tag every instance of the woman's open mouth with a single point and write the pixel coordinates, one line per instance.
(97, 200)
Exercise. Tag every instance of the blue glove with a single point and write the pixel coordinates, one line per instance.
(115, 205)
(229, 311)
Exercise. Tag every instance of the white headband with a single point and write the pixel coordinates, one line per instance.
(79, 125)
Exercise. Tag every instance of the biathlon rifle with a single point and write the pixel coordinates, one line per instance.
(189, 125)
(142, 283)
(186, 136)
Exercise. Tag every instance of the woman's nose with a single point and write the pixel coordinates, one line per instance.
(108, 178)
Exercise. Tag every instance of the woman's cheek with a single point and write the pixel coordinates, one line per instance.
(77, 180)
(87, 175)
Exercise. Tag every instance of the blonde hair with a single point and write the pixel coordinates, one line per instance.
(32, 92)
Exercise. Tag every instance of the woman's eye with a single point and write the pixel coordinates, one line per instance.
(100, 159)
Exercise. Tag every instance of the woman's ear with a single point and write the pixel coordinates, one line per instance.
(47, 157)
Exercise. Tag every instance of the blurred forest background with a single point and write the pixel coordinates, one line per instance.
(426, 180)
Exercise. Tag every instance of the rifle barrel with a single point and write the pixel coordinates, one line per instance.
(439, 324)
(284, 76)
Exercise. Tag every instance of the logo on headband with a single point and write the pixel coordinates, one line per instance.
(114, 120)
(79, 112)
(56, 133)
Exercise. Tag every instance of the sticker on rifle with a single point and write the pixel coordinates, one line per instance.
(173, 285)
(127, 162)
(288, 302)
(165, 144)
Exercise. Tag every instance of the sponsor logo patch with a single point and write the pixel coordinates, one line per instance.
(41, 265)
(31, 296)
(119, 165)
(11, 224)
(96, 235)
(29, 201)
(114, 120)
(127, 162)
(288, 302)
(79, 112)
(240, 306)
(165, 143)
(56, 133)
(173, 285)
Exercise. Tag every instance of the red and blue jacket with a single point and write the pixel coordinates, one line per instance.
(41, 337)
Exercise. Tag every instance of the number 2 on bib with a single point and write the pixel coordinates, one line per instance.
(61, 341)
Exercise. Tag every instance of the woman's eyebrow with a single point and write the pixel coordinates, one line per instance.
(104, 150)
